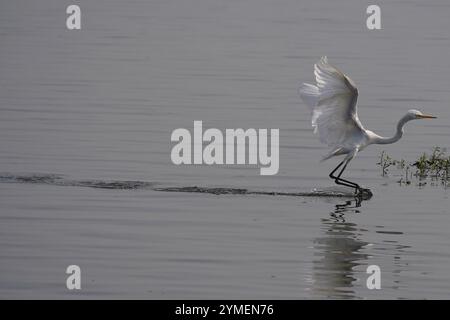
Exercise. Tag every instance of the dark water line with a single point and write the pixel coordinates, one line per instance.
(59, 180)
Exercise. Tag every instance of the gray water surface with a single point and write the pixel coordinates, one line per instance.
(98, 106)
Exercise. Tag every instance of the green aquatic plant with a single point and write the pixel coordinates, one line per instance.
(434, 166)
(386, 161)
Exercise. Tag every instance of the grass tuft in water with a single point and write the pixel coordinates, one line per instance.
(434, 166)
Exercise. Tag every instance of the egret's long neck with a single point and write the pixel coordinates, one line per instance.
(398, 133)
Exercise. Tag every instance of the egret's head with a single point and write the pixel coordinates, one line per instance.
(416, 114)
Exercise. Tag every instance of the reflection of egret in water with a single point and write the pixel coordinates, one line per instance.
(338, 253)
(341, 249)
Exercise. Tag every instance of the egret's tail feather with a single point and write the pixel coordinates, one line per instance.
(333, 153)
(326, 157)
(310, 94)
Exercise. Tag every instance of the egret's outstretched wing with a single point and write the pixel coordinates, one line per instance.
(333, 104)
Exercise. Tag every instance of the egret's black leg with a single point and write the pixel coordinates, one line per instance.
(335, 169)
(340, 181)
(355, 185)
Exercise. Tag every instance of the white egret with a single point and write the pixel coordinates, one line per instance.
(335, 119)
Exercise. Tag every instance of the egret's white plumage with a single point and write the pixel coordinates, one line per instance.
(333, 105)
(332, 101)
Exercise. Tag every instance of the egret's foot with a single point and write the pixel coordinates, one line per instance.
(363, 193)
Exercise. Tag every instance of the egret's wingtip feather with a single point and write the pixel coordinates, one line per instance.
(323, 60)
(309, 94)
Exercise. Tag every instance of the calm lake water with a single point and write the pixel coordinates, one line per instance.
(99, 105)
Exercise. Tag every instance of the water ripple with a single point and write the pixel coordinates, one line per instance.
(60, 180)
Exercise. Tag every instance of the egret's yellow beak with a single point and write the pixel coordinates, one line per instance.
(426, 116)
